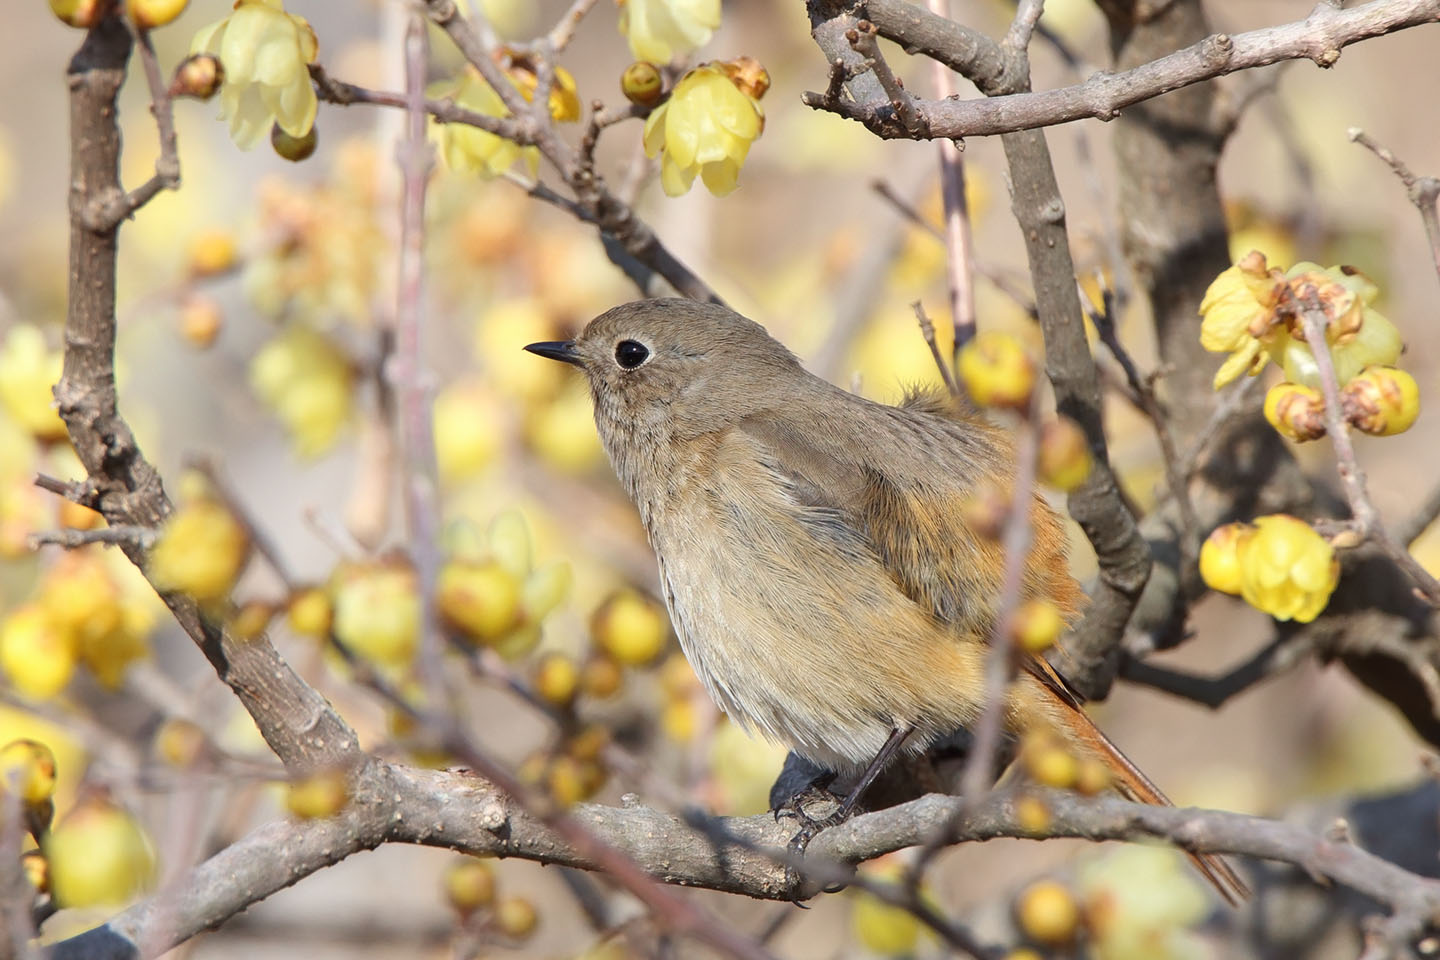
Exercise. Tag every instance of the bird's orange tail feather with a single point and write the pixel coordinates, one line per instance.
(1134, 785)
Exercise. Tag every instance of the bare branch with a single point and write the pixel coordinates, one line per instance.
(141, 537)
(1319, 37)
(300, 726)
(109, 210)
(1366, 518)
(1424, 192)
(742, 855)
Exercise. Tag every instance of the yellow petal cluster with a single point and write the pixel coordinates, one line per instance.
(660, 30)
(1236, 313)
(1382, 401)
(28, 371)
(1279, 565)
(306, 381)
(201, 552)
(1240, 317)
(472, 150)
(98, 855)
(266, 54)
(705, 128)
(564, 100)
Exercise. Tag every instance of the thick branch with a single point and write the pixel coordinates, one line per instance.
(1319, 37)
(741, 855)
(300, 726)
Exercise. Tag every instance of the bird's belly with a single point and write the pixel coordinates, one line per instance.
(814, 658)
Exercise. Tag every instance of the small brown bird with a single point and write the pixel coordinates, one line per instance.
(815, 564)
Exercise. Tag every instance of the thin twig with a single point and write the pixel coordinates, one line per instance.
(1320, 37)
(1027, 15)
(1150, 404)
(406, 372)
(1280, 654)
(1365, 517)
(115, 209)
(959, 244)
(1424, 192)
(142, 537)
(1419, 521)
(862, 39)
(345, 94)
(927, 330)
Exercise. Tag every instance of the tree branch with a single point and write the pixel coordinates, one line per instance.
(740, 855)
(300, 726)
(1319, 37)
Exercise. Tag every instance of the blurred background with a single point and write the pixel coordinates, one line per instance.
(251, 305)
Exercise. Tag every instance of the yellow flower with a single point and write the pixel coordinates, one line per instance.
(28, 370)
(266, 54)
(471, 149)
(564, 100)
(305, 379)
(659, 30)
(1382, 401)
(98, 855)
(1220, 557)
(1296, 411)
(706, 127)
(201, 551)
(1237, 316)
(997, 371)
(1358, 335)
(1287, 569)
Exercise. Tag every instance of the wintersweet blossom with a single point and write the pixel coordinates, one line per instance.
(1236, 316)
(266, 54)
(1287, 569)
(706, 127)
(659, 30)
(1241, 315)
(467, 147)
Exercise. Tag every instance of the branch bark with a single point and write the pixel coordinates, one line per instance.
(740, 855)
(298, 724)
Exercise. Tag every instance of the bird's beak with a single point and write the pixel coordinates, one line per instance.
(562, 350)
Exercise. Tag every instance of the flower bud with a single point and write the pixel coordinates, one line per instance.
(630, 628)
(1064, 455)
(1220, 557)
(198, 77)
(516, 917)
(318, 796)
(557, 678)
(1036, 626)
(1382, 401)
(470, 885)
(747, 74)
(642, 84)
(1296, 411)
(997, 371)
(27, 767)
(1047, 913)
(293, 148)
(200, 321)
(80, 13)
(482, 600)
(149, 14)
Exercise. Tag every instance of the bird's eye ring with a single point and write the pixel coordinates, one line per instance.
(631, 353)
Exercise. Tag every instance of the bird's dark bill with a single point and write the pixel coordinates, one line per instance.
(562, 350)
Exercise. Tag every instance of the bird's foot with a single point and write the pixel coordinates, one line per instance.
(815, 809)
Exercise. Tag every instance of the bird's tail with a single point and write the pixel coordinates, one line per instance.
(1135, 786)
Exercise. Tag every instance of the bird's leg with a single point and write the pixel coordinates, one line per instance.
(811, 827)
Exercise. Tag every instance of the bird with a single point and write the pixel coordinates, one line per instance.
(812, 548)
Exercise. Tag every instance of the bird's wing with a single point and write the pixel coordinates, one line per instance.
(908, 509)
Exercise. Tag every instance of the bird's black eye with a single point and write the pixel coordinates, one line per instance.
(631, 353)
